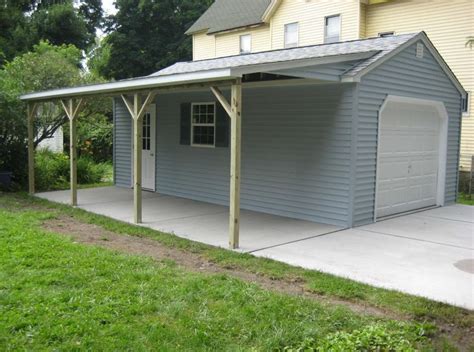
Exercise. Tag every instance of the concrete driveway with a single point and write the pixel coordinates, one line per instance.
(430, 254)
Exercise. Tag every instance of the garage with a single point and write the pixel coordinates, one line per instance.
(411, 155)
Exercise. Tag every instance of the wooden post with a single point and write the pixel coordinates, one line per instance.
(137, 111)
(234, 110)
(72, 108)
(31, 146)
(235, 158)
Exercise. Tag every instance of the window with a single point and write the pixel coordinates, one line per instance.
(245, 44)
(386, 34)
(332, 29)
(291, 35)
(465, 103)
(203, 124)
(146, 136)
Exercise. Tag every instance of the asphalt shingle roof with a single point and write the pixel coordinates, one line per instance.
(229, 14)
(381, 46)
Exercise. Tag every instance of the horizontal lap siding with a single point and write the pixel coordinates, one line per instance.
(295, 153)
(403, 75)
(122, 145)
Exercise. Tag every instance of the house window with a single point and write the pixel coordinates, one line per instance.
(332, 29)
(146, 136)
(386, 34)
(203, 124)
(465, 104)
(291, 35)
(245, 44)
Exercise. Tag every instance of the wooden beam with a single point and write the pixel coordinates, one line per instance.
(137, 160)
(221, 98)
(72, 108)
(128, 104)
(235, 160)
(31, 111)
(137, 110)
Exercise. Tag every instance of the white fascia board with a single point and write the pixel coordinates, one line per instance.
(135, 84)
(289, 64)
(422, 36)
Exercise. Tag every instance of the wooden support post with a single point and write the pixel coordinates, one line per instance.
(234, 110)
(31, 146)
(72, 108)
(235, 151)
(137, 111)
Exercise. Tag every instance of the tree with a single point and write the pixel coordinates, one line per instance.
(147, 35)
(46, 67)
(23, 23)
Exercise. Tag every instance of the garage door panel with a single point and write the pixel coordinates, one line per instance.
(408, 159)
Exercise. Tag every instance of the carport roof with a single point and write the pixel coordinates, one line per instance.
(366, 54)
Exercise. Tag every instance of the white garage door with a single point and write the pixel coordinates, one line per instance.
(408, 160)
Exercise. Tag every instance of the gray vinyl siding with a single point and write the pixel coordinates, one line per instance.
(122, 145)
(403, 75)
(296, 152)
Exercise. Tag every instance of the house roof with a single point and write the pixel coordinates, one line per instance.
(376, 48)
(224, 15)
(364, 55)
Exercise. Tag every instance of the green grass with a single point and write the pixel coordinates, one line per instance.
(465, 199)
(55, 294)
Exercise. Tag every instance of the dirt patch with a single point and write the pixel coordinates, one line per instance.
(90, 234)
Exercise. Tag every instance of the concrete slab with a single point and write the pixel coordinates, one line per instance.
(427, 228)
(424, 254)
(197, 221)
(257, 230)
(418, 268)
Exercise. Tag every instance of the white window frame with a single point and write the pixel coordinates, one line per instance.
(291, 45)
(240, 43)
(203, 125)
(326, 18)
(468, 102)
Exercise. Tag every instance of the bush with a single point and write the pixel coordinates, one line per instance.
(52, 171)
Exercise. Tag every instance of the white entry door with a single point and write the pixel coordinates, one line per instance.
(408, 158)
(149, 149)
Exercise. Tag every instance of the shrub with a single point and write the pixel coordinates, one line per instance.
(52, 171)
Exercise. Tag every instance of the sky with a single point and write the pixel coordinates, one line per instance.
(108, 6)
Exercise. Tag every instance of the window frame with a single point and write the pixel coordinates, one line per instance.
(240, 44)
(386, 34)
(198, 145)
(326, 18)
(285, 44)
(466, 101)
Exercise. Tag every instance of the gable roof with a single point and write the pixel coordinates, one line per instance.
(224, 15)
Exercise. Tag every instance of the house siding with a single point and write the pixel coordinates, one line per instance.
(122, 145)
(296, 152)
(447, 24)
(402, 75)
(310, 16)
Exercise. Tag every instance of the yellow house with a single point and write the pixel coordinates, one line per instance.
(231, 27)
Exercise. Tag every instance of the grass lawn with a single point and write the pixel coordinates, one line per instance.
(465, 199)
(58, 294)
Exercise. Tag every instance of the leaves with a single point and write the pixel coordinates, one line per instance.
(147, 35)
